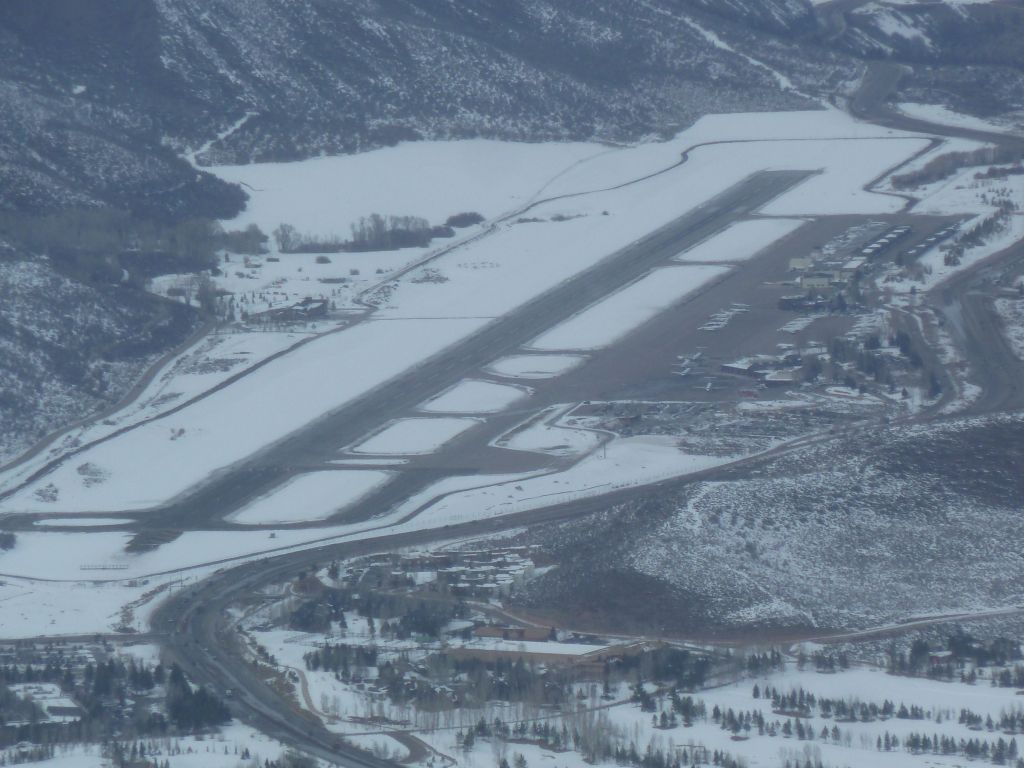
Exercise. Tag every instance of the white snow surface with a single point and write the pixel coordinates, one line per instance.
(625, 719)
(414, 436)
(741, 241)
(217, 750)
(938, 113)
(623, 462)
(893, 23)
(312, 496)
(610, 319)
(963, 194)
(485, 279)
(235, 422)
(475, 396)
(31, 608)
(205, 365)
(545, 433)
(431, 179)
(776, 136)
(534, 366)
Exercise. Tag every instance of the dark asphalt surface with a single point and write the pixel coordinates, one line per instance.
(966, 303)
(871, 103)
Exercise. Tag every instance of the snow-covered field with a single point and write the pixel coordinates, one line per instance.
(776, 136)
(741, 241)
(77, 556)
(961, 194)
(30, 608)
(414, 317)
(210, 362)
(475, 396)
(430, 179)
(621, 463)
(218, 750)
(207, 364)
(414, 436)
(237, 421)
(310, 497)
(857, 745)
(546, 433)
(741, 716)
(478, 282)
(975, 198)
(604, 323)
(534, 366)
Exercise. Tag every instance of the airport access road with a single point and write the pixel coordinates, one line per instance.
(871, 103)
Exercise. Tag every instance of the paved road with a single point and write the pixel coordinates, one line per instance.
(963, 301)
(966, 303)
(871, 103)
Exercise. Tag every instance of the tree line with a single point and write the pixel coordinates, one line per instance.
(115, 699)
(944, 166)
(375, 232)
